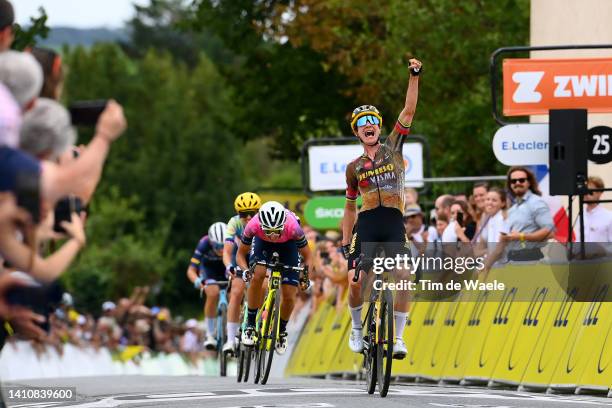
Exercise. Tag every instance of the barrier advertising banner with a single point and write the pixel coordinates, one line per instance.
(327, 165)
(533, 86)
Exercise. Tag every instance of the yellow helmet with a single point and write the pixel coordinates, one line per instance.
(364, 110)
(247, 202)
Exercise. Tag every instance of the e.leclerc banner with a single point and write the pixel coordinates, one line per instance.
(327, 165)
(533, 86)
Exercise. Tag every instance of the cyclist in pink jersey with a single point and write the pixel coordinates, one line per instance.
(273, 229)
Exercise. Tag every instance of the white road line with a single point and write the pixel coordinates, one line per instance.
(118, 400)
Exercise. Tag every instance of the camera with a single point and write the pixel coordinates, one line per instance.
(86, 113)
(63, 211)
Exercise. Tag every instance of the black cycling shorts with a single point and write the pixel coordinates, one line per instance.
(375, 229)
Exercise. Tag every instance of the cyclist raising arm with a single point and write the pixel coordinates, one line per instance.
(378, 175)
(273, 229)
(246, 205)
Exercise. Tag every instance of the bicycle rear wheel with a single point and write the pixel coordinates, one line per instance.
(384, 350)
(369, 358)
(222, 335)
(270, 346)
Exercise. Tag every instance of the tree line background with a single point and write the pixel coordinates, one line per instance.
(221, 94)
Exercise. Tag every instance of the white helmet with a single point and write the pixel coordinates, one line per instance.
(217, 233)
(272, 216)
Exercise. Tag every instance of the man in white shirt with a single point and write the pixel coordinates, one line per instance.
(597, 219)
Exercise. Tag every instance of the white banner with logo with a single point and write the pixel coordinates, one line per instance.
(327, 165)
(522, 144)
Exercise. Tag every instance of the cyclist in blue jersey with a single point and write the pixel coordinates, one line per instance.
(246, 205)
(205, 269)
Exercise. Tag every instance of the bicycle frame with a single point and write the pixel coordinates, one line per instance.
(274, 283)
(376, 300)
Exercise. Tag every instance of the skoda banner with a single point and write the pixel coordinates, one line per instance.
(325, 212)
(327, 165)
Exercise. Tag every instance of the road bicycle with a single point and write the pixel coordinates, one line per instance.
(379, 332)
(244, 354)
(268, 317)
(221, 335)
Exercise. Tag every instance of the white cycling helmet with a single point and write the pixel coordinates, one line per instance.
(217, 233)
(272, 216)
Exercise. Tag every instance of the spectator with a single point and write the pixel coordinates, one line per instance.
(529, 220)
(411, 197)
(413, 221)
(7, 19)
(464, 224)
(496, 209)
(51, 63)
(46, 131)
(443, 204)
(441, 224)
(22, 75)
(479, 196)
(597, 220)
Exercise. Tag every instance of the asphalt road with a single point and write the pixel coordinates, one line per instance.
(148, 391)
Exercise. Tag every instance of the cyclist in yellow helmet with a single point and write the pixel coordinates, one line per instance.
(246, 205)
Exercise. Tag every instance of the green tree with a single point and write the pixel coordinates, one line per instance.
(370, 47)
(25, 38)
(121, 252)
(177, 158)
(284, 92)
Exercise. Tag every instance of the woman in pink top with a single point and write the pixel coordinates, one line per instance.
(273, 229)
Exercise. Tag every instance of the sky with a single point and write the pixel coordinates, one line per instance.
(77, 13)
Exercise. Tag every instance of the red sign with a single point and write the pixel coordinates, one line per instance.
(533, 86)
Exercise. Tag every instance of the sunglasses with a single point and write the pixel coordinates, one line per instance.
(245, 214)
(518, 180)
(362, 121)
(273, 232)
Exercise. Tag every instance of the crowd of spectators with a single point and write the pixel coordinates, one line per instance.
(124, 324)
(40, 171)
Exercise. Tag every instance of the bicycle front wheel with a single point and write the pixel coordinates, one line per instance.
(257, 348)
(270, 339)
(384, 349)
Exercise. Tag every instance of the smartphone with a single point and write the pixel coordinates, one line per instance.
(460, 218)
(87, 113)
(27, 190)
(63, 211)
(33, 297)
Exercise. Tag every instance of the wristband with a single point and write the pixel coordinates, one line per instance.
(197, 283)
(522, 237)
(416, 72)
(346, 250)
